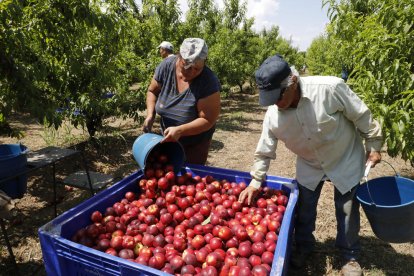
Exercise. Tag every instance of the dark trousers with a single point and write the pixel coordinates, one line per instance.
(197, 153)
(347, 218)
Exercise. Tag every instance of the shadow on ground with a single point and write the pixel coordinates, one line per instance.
(375, 255)
(233, 113)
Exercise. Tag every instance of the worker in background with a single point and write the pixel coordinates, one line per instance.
(166, 49)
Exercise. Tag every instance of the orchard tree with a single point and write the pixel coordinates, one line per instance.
(202, 20)
(271, 43)
(234, 13)
(162, 20)
(378, 36)
(232, 56)
(81, 57)
(323, 57)
(74, 55)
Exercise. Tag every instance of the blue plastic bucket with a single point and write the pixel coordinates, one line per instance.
(148, 142)
(13, 160)
(388, 203)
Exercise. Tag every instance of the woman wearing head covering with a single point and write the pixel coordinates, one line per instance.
(185, 93)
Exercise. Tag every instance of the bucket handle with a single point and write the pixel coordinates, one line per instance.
(26, 151)
(365, 177)
(368, 168)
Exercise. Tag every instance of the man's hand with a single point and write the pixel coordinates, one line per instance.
(250, 193)
(374, 157)
(147, 126)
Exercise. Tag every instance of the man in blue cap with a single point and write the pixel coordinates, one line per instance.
(324, 123)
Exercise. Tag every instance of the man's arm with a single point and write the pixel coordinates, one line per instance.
(265, 152)
(357, 112)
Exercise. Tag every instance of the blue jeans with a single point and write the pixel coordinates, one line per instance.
(347, 218)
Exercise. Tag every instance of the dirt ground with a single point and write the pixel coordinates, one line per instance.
(233, 145)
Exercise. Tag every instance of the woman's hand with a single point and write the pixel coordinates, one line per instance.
(172, 134)
(147, 126)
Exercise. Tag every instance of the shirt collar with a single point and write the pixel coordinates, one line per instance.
(304, 93)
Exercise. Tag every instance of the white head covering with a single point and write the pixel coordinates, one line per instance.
(166, 45)
(193, 49)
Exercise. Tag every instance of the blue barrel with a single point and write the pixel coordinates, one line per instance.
(388, 203)
(13, 160)
(148, 142)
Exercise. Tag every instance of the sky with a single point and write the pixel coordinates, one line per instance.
(299, 20)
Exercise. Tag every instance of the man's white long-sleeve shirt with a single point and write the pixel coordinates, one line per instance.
(325, 131)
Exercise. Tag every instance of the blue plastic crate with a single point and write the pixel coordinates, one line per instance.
(63, 257)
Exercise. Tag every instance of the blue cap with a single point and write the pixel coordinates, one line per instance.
(268, 78)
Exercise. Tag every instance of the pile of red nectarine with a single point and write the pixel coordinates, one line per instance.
(189, 225)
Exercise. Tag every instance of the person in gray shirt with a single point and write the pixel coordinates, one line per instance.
(184, 92)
